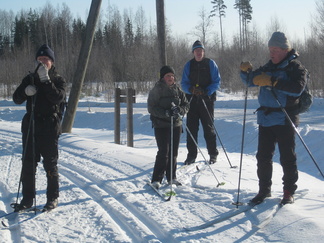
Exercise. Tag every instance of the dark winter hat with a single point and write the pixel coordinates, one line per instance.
(197, 44)
(166, 69)
(45, 50)
(279, 39)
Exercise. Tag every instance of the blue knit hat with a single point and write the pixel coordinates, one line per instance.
(45, 50)
(197, 44)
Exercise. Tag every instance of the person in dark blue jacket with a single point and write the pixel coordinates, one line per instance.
(200, 80)
(282, 79)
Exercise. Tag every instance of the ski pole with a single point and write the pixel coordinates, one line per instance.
(33, 134)
(171, 156)
(231, 166)
(242, 146)
(294, 127)
(206, 162)
(34, 150)
(30, 127)
(13, 205)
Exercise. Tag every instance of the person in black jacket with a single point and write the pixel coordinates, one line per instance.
(166, 101)
(45, 92)
(200, 80)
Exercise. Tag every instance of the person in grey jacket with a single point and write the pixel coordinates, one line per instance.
(283, 78)
(166, 101)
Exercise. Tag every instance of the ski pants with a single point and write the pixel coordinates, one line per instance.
(198, 112)
(163, 157)
(284, 136)
(47, 147)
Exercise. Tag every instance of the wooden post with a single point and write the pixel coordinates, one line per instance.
(117, 115)
(130, 133)
(124, 96)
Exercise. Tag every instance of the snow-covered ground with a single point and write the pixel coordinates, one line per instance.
(104, 196)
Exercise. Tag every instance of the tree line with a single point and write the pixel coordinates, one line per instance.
(125, 47)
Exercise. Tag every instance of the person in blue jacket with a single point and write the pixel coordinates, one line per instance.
(200, 80)
(283, 79)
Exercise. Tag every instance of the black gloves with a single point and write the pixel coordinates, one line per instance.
(197, 90)
(174, 111)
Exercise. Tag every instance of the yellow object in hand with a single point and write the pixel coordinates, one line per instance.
(246, 66)
(264, 80)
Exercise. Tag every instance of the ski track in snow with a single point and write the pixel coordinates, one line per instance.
(123, 213)
(122, 216)
(117, 212)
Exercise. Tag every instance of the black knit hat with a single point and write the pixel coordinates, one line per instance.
(197, 44)
(45, 50)
(166, 69)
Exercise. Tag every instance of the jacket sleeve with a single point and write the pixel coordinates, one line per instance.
(185, 81)
(247, 77)
(153, 106)
(19, 96)
(184, 105)
(215, 77)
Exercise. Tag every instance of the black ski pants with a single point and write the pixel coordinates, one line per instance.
(198, 112)
(284, 136)
(45, 146)
(163, 157)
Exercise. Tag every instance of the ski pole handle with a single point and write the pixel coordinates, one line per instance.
(39, 64)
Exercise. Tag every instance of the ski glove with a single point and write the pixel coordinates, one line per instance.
(170, 113)
(43, 73)
(264, 79)
(197, 90)
(30, 90)
(246, 66)
(175, 110)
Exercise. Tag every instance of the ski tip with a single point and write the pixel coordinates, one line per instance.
(221, 184)
(170, 193)
(4, 224)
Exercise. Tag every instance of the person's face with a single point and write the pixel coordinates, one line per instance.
(199, 54)
(277, 54)
(46, 61)
(169, 79)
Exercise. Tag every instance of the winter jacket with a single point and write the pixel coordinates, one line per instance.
(160, 100)
(49, 99)
(204, 74)
(292, 77)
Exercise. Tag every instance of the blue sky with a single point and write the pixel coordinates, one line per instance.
(182, 15)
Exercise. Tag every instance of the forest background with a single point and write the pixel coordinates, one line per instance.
(125, 48)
